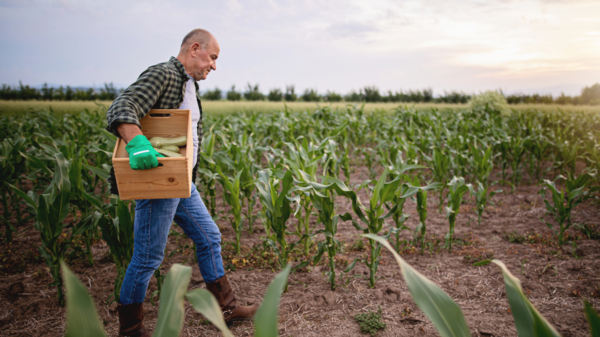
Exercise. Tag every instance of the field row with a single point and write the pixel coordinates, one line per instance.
(298, 165)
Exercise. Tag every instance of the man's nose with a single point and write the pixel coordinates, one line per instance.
(214, 66)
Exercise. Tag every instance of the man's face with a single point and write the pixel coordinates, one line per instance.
(203, 61)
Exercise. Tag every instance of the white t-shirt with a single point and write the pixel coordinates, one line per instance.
(190, 102)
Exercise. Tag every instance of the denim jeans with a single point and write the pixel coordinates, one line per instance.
(153, 218)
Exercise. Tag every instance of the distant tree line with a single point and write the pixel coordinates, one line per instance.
(367, 94)
(589, 95)
(25, 92)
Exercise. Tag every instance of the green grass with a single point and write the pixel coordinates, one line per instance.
(19, 107)
(227, 107)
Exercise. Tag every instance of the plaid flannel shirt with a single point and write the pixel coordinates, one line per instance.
(161, 86)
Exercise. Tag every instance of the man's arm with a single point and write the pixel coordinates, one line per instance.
(128, 131)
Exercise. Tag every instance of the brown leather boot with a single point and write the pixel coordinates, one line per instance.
(224, 295)
(131, 317)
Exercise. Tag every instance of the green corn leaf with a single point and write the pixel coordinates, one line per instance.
(25, 197)
(171, 313)
(207, 159)
(265, 320)
(36, 164)
(411, 167)
(86, 223)
(125, 219)
(75, 173)
(376, 193)
(102, 173)
(82, 318)
(529, 322)
(593, 319)
(482, 263)
(93, 199)
(63, 184)
(432, 186)
(61, 174)
(110, 138)
(205, 303)
(441, 310)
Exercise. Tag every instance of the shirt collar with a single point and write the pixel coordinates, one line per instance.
(179, 67)
(184, 75)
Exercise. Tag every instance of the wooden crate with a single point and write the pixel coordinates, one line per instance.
(171, 180)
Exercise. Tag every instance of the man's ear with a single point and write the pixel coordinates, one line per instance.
(195, 48)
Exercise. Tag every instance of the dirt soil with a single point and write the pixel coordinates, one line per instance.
(555, 280)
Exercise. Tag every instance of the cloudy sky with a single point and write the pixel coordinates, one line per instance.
(545, 46)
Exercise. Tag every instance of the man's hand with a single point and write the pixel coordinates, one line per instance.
(142, 156)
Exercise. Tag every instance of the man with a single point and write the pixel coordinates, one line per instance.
(169, 85)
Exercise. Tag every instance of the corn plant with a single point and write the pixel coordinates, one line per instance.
(517, 147)
(482, 163)
(345, 159)
(482, 198)
(241, 159)
(51, 209)
(231, 194)
(82, 199)
(322, 196)
(561, 203)
(323, 199)
(421, 228)
(568, 153)
(447, 317)
(502, 145)
(456, 189)
(373, 216)
(12, 166)
(83, 320)
(399, 217)
(368, 155)
(440, 164)
(592, 155)
(330, 159)
(539, 147)
(304, 157)
(274, 198)
(398, 169)
(117, 230)
(208, 174)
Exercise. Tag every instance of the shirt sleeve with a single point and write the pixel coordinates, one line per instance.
(135, 102)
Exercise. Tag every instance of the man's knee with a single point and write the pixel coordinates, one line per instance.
(210, 240)
(149, 261)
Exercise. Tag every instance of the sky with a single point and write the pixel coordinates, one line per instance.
(538, 46)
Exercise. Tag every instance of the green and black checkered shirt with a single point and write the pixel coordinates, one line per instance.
(161, 86)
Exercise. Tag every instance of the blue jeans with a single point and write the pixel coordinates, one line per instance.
(153, 218)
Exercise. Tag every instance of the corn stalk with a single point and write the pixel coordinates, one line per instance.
(231, 194)
(274, 198)
(456, 189)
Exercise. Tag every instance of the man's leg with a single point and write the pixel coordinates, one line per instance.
(196, 222)
(153, 220)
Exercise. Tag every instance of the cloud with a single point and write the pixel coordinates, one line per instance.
(15, 3)
(351, 29)
(338, 45)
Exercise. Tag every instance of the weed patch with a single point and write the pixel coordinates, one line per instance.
(370, 322)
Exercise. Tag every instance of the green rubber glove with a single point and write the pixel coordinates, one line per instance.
(142, 156)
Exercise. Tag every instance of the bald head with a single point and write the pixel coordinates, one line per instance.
(201, 36)
(198, 54)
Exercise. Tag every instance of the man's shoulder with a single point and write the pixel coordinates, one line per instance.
(166, 69)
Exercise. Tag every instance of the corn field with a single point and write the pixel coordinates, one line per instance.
(294, 180)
